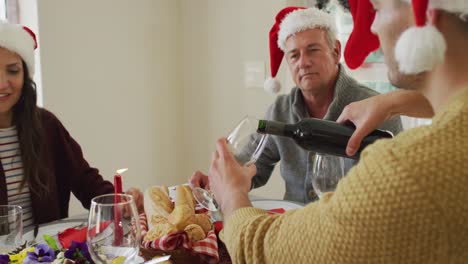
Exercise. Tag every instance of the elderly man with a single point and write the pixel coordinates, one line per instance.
(406, 201)
(307, 39)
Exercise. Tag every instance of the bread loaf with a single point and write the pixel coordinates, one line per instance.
(156, 203)
(204, 221)
(195, 232)
(163, 218)
(181, 216)
(160, 229)
(184, 196)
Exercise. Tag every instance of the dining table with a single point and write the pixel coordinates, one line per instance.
(82, 218)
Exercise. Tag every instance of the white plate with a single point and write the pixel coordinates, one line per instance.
(49, 229)
(275, 204)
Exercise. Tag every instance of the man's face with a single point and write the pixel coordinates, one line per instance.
(392, 18)
(312, 62)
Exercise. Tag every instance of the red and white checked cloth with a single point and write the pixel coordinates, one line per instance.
(206, 249)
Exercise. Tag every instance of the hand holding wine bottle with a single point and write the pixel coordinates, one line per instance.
(368, 114)
(320, 136)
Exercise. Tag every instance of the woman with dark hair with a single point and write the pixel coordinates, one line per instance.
(41, 164)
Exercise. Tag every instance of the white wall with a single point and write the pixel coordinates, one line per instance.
(218, 38)
(28, 17)
(150, 85)
(111, 72)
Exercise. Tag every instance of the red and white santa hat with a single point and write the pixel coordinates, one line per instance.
(419, 48)
(422, 46)
(289, 21)
(21, 40)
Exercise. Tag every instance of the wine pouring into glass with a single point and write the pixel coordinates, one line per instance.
(246, 145)
(328, 141)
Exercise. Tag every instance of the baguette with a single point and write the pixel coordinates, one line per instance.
(194, 232)
(204, 222)
(182, 216)
(162, 228)
(184, 196)
(156, 203)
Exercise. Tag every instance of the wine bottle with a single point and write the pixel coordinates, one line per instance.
(321, 136)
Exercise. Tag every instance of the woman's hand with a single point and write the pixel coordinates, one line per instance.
(229, 180)
(137, 197)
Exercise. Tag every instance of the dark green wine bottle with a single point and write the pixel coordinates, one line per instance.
(321, 136)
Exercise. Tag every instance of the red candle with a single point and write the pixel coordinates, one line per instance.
(118, 234)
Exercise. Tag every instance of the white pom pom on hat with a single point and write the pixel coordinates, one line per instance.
(272, 85)
(288, 21)
(421, 47)
(21, 40)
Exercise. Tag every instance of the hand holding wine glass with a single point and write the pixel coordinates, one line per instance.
(245, 144)
(227, 175)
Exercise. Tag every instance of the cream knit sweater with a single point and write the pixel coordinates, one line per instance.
(405, 202)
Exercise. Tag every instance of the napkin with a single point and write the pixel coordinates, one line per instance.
(72, 234)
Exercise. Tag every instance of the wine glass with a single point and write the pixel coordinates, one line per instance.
(327, 171)
(11, 227)
(113, 231)
(246, 145)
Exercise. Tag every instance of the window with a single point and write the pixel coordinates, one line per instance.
(2, 10)
(9, 10)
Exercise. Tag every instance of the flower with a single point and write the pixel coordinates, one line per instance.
(42, 254)
(79, 253)
(4, 259)
(59, 259)
(19, 257)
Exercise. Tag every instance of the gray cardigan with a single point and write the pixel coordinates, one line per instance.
(296, 163)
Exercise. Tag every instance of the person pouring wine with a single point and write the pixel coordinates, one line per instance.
(307, 39)
(406, 200)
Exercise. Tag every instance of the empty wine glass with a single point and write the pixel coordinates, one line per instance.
(327, 171)
(113, 234)
(11, 227)
(246, 145)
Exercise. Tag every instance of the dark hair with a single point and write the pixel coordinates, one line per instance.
(27, 119)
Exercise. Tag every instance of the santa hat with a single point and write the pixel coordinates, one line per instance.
(21, 40)
(422, 46)
(419, 48)
(290, 21)
(362, 41)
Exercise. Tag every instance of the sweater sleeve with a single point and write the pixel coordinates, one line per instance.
(376, 213)
(78, 176)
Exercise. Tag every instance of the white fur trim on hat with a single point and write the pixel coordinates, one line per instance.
(419, 49)
(16, 39)
(272, 85)
(304, 19)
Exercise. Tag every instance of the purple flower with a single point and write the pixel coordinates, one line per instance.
(4, 259)
(78, 252)
(42, 253)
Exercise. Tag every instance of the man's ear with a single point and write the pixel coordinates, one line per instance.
(337, 51)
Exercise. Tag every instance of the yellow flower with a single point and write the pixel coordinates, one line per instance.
(118, 260)
(18, 258)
